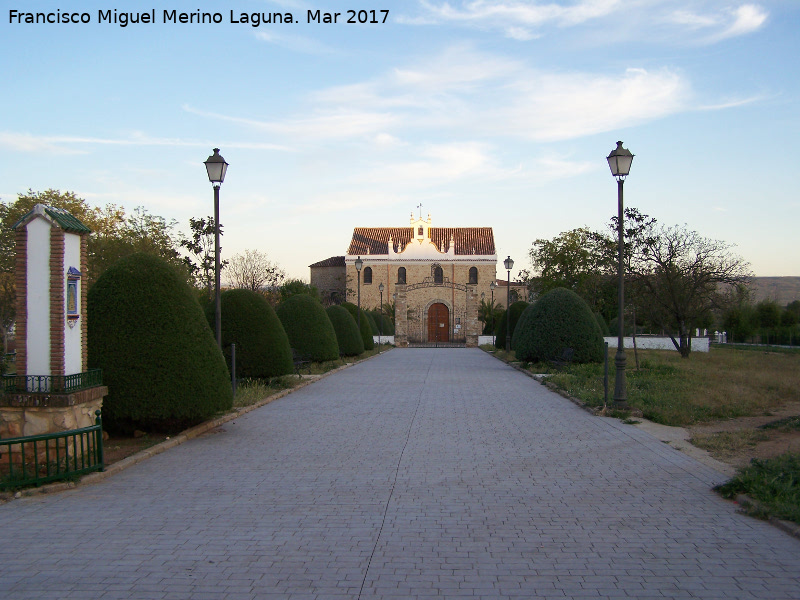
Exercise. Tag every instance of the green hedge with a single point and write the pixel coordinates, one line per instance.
(364, 327)
(310, 330)
(560, 319)
(517, 308)
(262, 346)
(347, 334)
(160, 360)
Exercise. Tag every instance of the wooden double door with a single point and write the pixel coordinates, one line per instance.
(438, 323)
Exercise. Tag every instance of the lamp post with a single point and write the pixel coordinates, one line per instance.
(620, 161)
(359, 264)
(216, 168)
(508, 264)
(380, 329)
(491, 287)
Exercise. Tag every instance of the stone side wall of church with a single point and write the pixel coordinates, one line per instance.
(331, 282)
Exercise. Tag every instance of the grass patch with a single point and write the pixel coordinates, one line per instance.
(786, 424)
(773, 483)
(667, 389)
(727, 443)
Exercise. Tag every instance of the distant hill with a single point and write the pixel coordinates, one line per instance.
(781, 289)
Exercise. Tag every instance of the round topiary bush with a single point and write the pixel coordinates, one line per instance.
(385, 326)
(262, 346)
(500, 326)
(347, 334)
(363, 326)
(160, 360)
(560, 319)
(310, 330)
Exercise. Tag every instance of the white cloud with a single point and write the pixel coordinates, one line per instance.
(487, 12)
(65, 144)
(297, 43)
(721, 25)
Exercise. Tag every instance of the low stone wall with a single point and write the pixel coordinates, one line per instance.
(699, 344)
(383, 339)
(25, 414)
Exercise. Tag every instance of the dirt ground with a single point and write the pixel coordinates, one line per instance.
(737, 441)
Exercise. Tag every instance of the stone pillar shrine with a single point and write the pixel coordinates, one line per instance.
(52, 390)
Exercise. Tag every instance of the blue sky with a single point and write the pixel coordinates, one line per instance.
(487, 112)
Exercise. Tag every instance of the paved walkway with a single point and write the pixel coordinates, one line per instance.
(418, 474)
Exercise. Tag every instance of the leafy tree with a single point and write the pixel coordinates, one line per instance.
(147, 332)
(347, 334)
(560, 319)
(580, 260)
(201, 246)
(8, 298)
(309, 329)
(252, 270)
(681, 277)
(297, 286)
(489, 315)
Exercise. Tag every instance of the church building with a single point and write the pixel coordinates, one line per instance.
(434, 276)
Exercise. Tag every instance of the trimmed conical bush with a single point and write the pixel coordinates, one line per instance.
(262, 346)
(310, 330)
(347, 334)
(517, 308)
(160, 361)
(364, 327)
(560, 319)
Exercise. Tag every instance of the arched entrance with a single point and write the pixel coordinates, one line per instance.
(438, 323)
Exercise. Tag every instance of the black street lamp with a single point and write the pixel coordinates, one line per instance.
(491, 287)
(620, 161)
(359, 264)
(508, 264)
(380, 329)
(216, 168)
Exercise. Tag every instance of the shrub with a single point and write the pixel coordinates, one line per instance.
(384, 323)
(347, 334)
(517, 308)
(262, 346)
(373, 324)
(309, 329)
(160, 360)
(363, 326)
(559, 319)
(601, 322)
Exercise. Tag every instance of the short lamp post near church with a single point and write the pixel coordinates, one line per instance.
(508, 264)
(359, 264)
(216, 168)
(380, 329)
(620, 161)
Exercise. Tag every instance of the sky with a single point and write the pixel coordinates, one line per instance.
(492, 113)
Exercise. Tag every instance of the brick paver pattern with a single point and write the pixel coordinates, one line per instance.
(421, 473)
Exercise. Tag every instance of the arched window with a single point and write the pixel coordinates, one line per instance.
(367, 274)
(401, 275)
(473, 275)
(438, 274)
(514, 296)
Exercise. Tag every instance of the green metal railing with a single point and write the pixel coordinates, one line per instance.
(52, 384)
(38, 459)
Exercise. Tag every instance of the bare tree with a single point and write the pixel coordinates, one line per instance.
(681, 277)
(252, 270)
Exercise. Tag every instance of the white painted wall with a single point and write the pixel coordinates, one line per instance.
(38, 274)
(72, 335)
(657, 343)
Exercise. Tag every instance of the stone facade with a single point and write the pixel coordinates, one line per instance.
(435, 277)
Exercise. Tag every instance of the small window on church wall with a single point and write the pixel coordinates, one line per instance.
(401, 275)
(420, 232)
(438, 275)
(368, 275)
(473, 275)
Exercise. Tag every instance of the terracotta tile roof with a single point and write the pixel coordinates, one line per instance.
(468, 240)
(333, 261)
